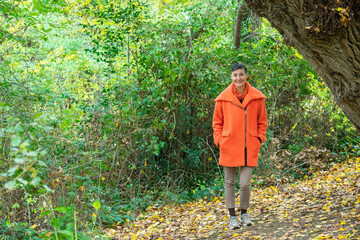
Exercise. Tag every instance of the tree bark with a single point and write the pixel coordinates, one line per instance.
(327, 34)
(239, 20)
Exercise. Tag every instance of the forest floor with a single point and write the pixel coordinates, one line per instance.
(327, 206)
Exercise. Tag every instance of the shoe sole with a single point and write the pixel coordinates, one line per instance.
(247, 225)
(235, 228)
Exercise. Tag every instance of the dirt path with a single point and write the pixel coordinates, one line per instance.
(309, 225)
(324, 207)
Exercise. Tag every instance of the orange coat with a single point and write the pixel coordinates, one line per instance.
(238, 127)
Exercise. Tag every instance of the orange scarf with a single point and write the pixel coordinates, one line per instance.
(242, 95)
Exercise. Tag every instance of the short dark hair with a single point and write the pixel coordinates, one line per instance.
(238, 66)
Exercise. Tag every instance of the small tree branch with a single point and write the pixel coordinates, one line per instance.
(197, 34)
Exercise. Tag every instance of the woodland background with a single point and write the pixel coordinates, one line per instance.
(106, 108)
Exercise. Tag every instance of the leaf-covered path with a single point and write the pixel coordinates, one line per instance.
(327, 206)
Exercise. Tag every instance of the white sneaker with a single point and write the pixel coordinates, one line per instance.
(233, 223)
(245, 219)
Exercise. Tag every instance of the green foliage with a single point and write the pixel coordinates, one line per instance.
(111, 24)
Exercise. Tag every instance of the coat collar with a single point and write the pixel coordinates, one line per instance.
(227, 95)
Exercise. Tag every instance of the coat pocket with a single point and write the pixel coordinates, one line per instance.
(225, 133)
(253, 133)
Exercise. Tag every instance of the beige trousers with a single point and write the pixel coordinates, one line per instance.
(245, 186)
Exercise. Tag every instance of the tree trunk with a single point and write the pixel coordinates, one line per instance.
(237, 30)
(327, 34)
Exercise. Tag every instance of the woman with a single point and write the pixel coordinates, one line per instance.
(239, 125)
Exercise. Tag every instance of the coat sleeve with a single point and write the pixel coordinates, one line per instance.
(262, 120)
(218, 122)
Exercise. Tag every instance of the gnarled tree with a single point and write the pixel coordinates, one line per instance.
(238, 26)
(327, 34)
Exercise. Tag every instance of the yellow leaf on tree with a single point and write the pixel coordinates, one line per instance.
(300, 57)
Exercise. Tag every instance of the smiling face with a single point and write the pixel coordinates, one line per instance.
(239, 78)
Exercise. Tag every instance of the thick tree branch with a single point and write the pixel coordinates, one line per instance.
(327, 34)
(237, 30)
